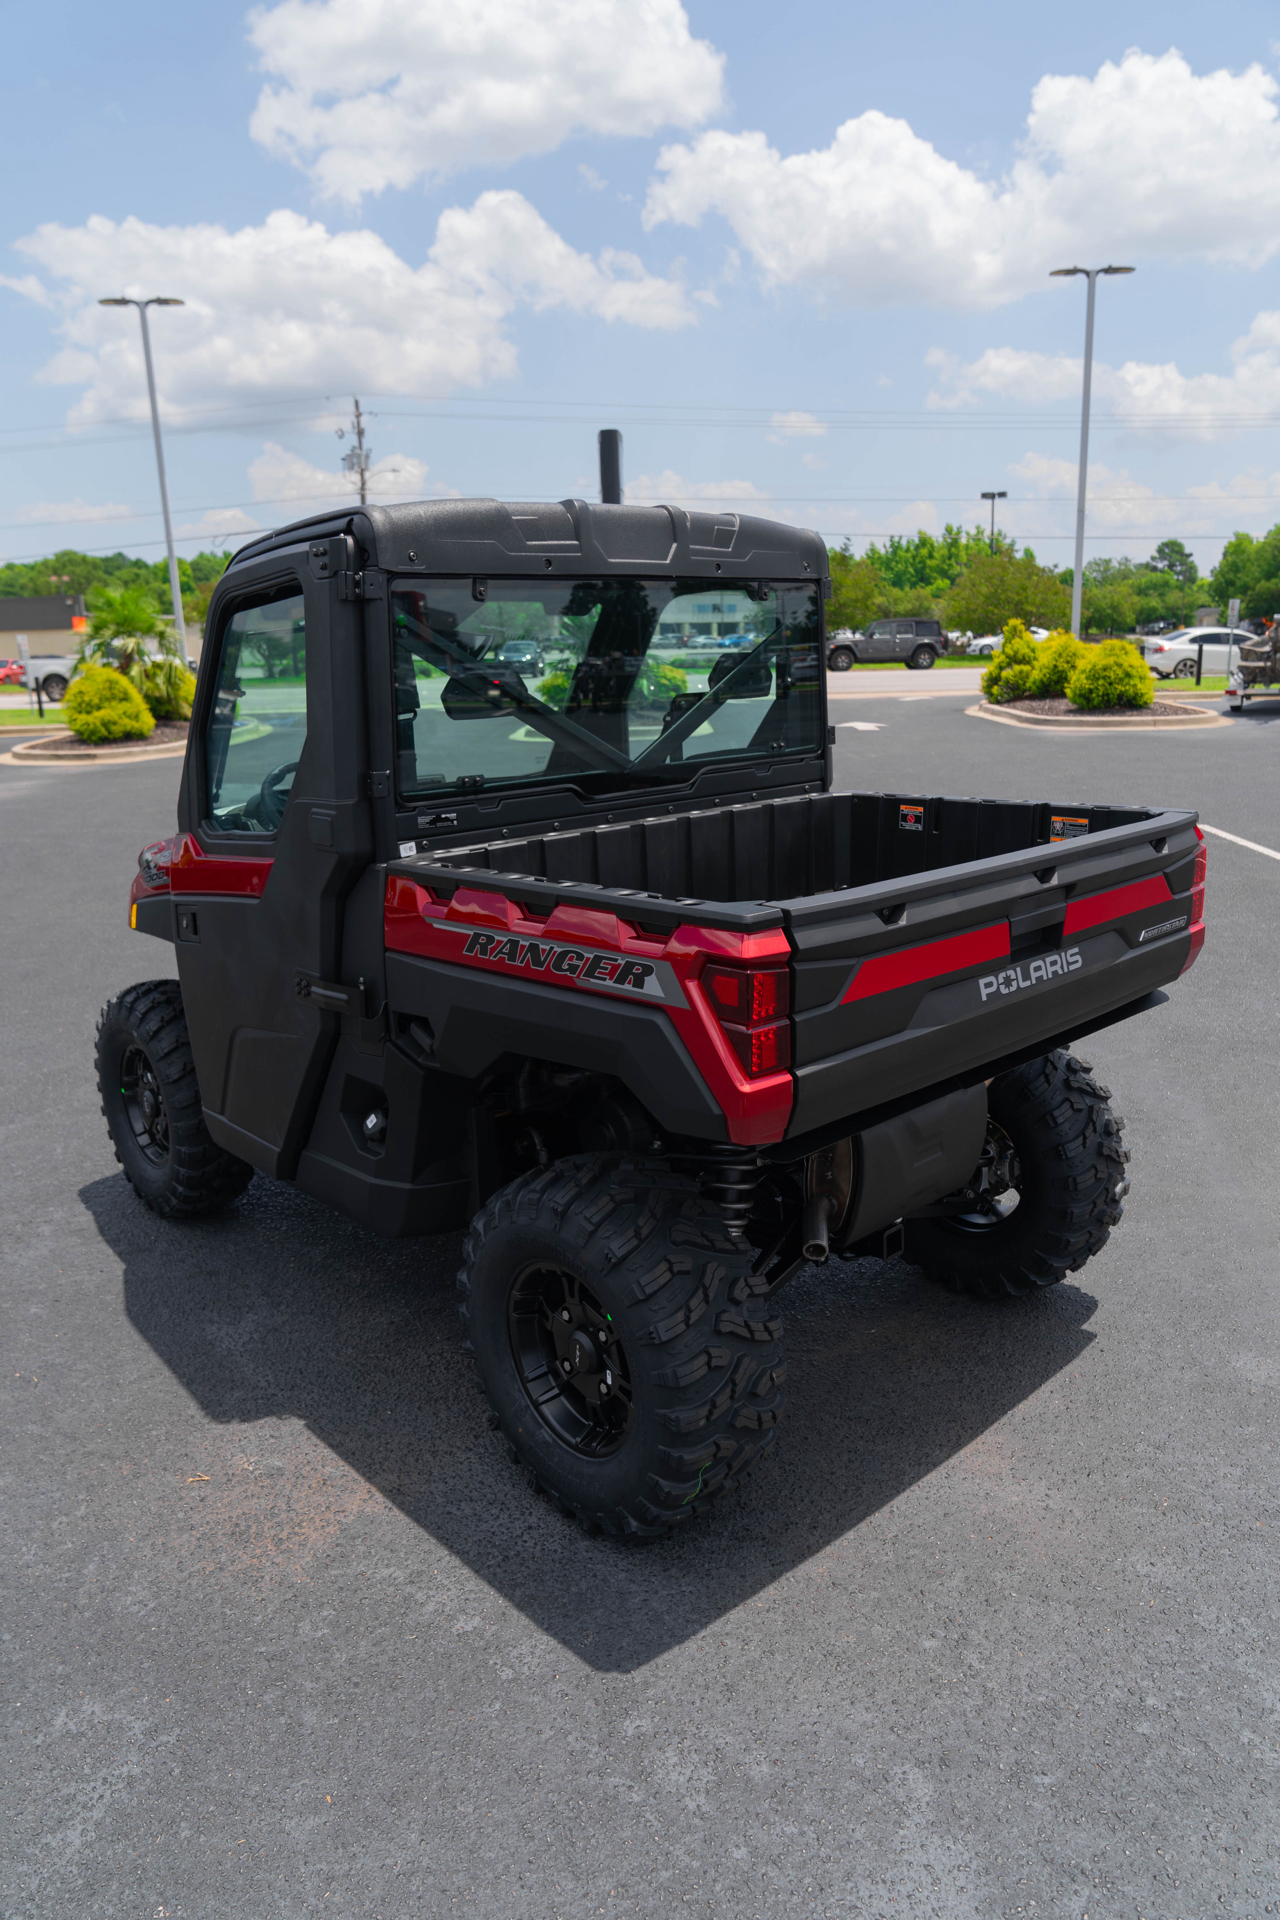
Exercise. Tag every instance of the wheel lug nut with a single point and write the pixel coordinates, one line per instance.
(565, 1314)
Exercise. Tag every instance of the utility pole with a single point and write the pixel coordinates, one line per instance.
(357, 459)
(993, 497)
(1077, 576)
(175, 587)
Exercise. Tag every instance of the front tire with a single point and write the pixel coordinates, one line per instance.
(1067, 1171)
(151, 1103)
(839, 660)
(627, 1352)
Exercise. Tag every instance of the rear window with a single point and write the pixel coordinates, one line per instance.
(610, 684)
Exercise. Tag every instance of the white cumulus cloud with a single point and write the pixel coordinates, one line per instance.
(1145, 160)
(288, 308)
(280, 477)
(795, 425)
(680, 491)
(56, 513)
(1155, 395)
(367, 94)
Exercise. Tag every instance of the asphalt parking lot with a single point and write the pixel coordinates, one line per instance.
(992, 1633)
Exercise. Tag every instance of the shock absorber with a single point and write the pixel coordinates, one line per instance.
(729, 1178)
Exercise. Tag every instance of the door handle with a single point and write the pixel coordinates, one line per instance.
(330, 996)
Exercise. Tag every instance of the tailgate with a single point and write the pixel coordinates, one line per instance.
(911, 981)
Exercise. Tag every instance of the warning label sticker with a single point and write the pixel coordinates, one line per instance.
(1067, 826)
(911, 819)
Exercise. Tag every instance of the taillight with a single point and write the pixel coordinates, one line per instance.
(1197, 901)
(751, 1004)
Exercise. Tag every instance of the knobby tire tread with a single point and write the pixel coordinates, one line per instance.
(201, 1177)
(1072, 1147)
(691, 1313)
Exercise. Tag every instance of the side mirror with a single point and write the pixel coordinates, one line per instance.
(755, 684)
(485, 694)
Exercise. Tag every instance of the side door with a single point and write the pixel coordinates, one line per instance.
(275, 813)
(904, 639)
(879, 643)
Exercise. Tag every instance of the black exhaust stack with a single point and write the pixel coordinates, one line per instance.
(611, 466)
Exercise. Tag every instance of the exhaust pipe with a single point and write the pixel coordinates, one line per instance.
(816, 1230)
(611, 466)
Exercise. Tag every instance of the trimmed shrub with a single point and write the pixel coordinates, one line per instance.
(554, 690)
(168, 694)
(659, 685)
(1009, 674)
(655, 686)
(102, 705)
(1057, 658)
(1113, 675)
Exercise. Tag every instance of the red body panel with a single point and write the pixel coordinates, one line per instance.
(756, 1111)
(1096, 908)
(905, 967)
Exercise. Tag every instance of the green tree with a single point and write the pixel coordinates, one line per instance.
(1110, 606)
(128, 632)
(996, 588)
(934, 562)
(856, 588)
(1237, 570)
(1172, 557)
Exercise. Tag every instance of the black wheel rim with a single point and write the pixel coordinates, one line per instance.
(144, 1106)
(570, 1360)
(997, 1186)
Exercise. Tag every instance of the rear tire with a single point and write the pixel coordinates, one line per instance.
(151, 1103)
(624, 1271)
(839, 660)
(1185, 670)
(54, 688)
(922, 659)
(1070, 1182)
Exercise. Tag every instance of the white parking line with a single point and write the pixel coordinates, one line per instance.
(862, 726)
(1237, 841)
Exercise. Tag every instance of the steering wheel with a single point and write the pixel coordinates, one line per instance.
(271, 800)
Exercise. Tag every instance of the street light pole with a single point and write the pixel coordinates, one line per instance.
(175, 587)
(1077, 576)
(993, 497)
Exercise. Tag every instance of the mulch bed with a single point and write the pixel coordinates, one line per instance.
(167, 733)
(1059, 707)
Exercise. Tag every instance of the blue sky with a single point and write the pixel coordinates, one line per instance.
(799, 255)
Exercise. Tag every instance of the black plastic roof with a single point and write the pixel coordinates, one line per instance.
(569, 536)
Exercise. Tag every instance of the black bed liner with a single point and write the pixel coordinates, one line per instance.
(797, 862)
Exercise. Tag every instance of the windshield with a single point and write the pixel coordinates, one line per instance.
(606, 683)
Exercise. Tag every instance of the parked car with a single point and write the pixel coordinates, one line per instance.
(525, 655)
(918, 642)
(10, 673)
(989, 643)
(1173, 657)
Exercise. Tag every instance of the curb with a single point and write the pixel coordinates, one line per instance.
(45, 753)
(1184, 721)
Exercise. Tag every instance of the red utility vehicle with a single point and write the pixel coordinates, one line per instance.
(594, 963)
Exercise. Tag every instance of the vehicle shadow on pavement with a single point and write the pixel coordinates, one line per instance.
(281, 1309)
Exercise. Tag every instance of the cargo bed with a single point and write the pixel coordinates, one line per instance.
(929, 935)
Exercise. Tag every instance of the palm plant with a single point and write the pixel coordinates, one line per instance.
(128, 632)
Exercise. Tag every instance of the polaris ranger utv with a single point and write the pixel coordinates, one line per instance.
(600, 964)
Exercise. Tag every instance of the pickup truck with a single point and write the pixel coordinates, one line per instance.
(602, 970)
